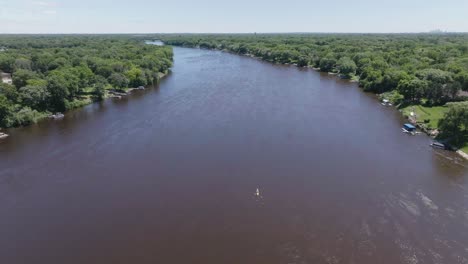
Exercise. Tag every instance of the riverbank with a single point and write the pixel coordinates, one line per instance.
(206, 139)
(431, 131)
(427, 120)
(118, 94)
(463, 154)
(90, 99)
(83, 69)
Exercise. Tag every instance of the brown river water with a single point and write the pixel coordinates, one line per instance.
(169, 175)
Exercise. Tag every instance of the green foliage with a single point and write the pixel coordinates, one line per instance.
(76, 103)
(57, 87)
(346, 67)
(454, 125)
(6, 62)
(56, 73)
(407, 69)
(99, 91)
(9, 91)
(5, 111)
(21, 77)
(327, 63)
(136, 77)
(36, 97)
(412, 89)
(393, 97)
(26, 116)
(432, 113)
(392, 77)
(302, 61)
(420, 66)
(22, 63)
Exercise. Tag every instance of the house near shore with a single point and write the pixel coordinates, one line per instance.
(463, 93)
(6, 78)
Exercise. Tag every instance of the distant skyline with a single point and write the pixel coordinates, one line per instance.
(242, 16)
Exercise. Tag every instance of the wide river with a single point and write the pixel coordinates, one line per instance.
(169, 175)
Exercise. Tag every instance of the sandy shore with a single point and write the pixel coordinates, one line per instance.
(463, 154)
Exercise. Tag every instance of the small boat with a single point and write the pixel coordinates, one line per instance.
(439, 145)
(413, 133)
(409, 128)
(257, 193)
(3, 135)
(386, 102)
(57, 116)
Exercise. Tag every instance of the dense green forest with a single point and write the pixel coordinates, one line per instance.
(428, 70)
(57, 73)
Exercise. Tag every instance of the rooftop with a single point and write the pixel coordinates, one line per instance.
(6, 77)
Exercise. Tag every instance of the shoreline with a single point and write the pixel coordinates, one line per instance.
(463, 154)
(110, 94)
(113, 94)
(337, 75)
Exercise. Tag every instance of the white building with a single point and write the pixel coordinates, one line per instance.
(6, 78)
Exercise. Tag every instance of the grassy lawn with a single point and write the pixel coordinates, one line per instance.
(465, 148)
(433, 114)
(88, 90)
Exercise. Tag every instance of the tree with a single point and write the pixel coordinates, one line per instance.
(454, 125)
(6, 63)
(372, 79)
(437, 89)
(392, 77)
(346, 67)
(52, 73)
(22, 63)
(136, 77)
(84, 75)
(57, 63)
(452, 89)
(36, 82)
(327, 64)
(26, 116)
(57, 87)
(5, 111)
(70, 78)
(42, 61)
(118, 80)
(462, 78)
(36, 97)
(21, 77)
(412, 89)
(9, 91)
(100, 88)
(302, 61)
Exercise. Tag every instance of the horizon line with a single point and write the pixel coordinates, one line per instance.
(234, 33)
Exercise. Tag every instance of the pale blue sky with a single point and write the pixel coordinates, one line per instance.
(146, 16)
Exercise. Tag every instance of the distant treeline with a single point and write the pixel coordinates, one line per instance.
(56, 73)
(434, 67)
(410, 69)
